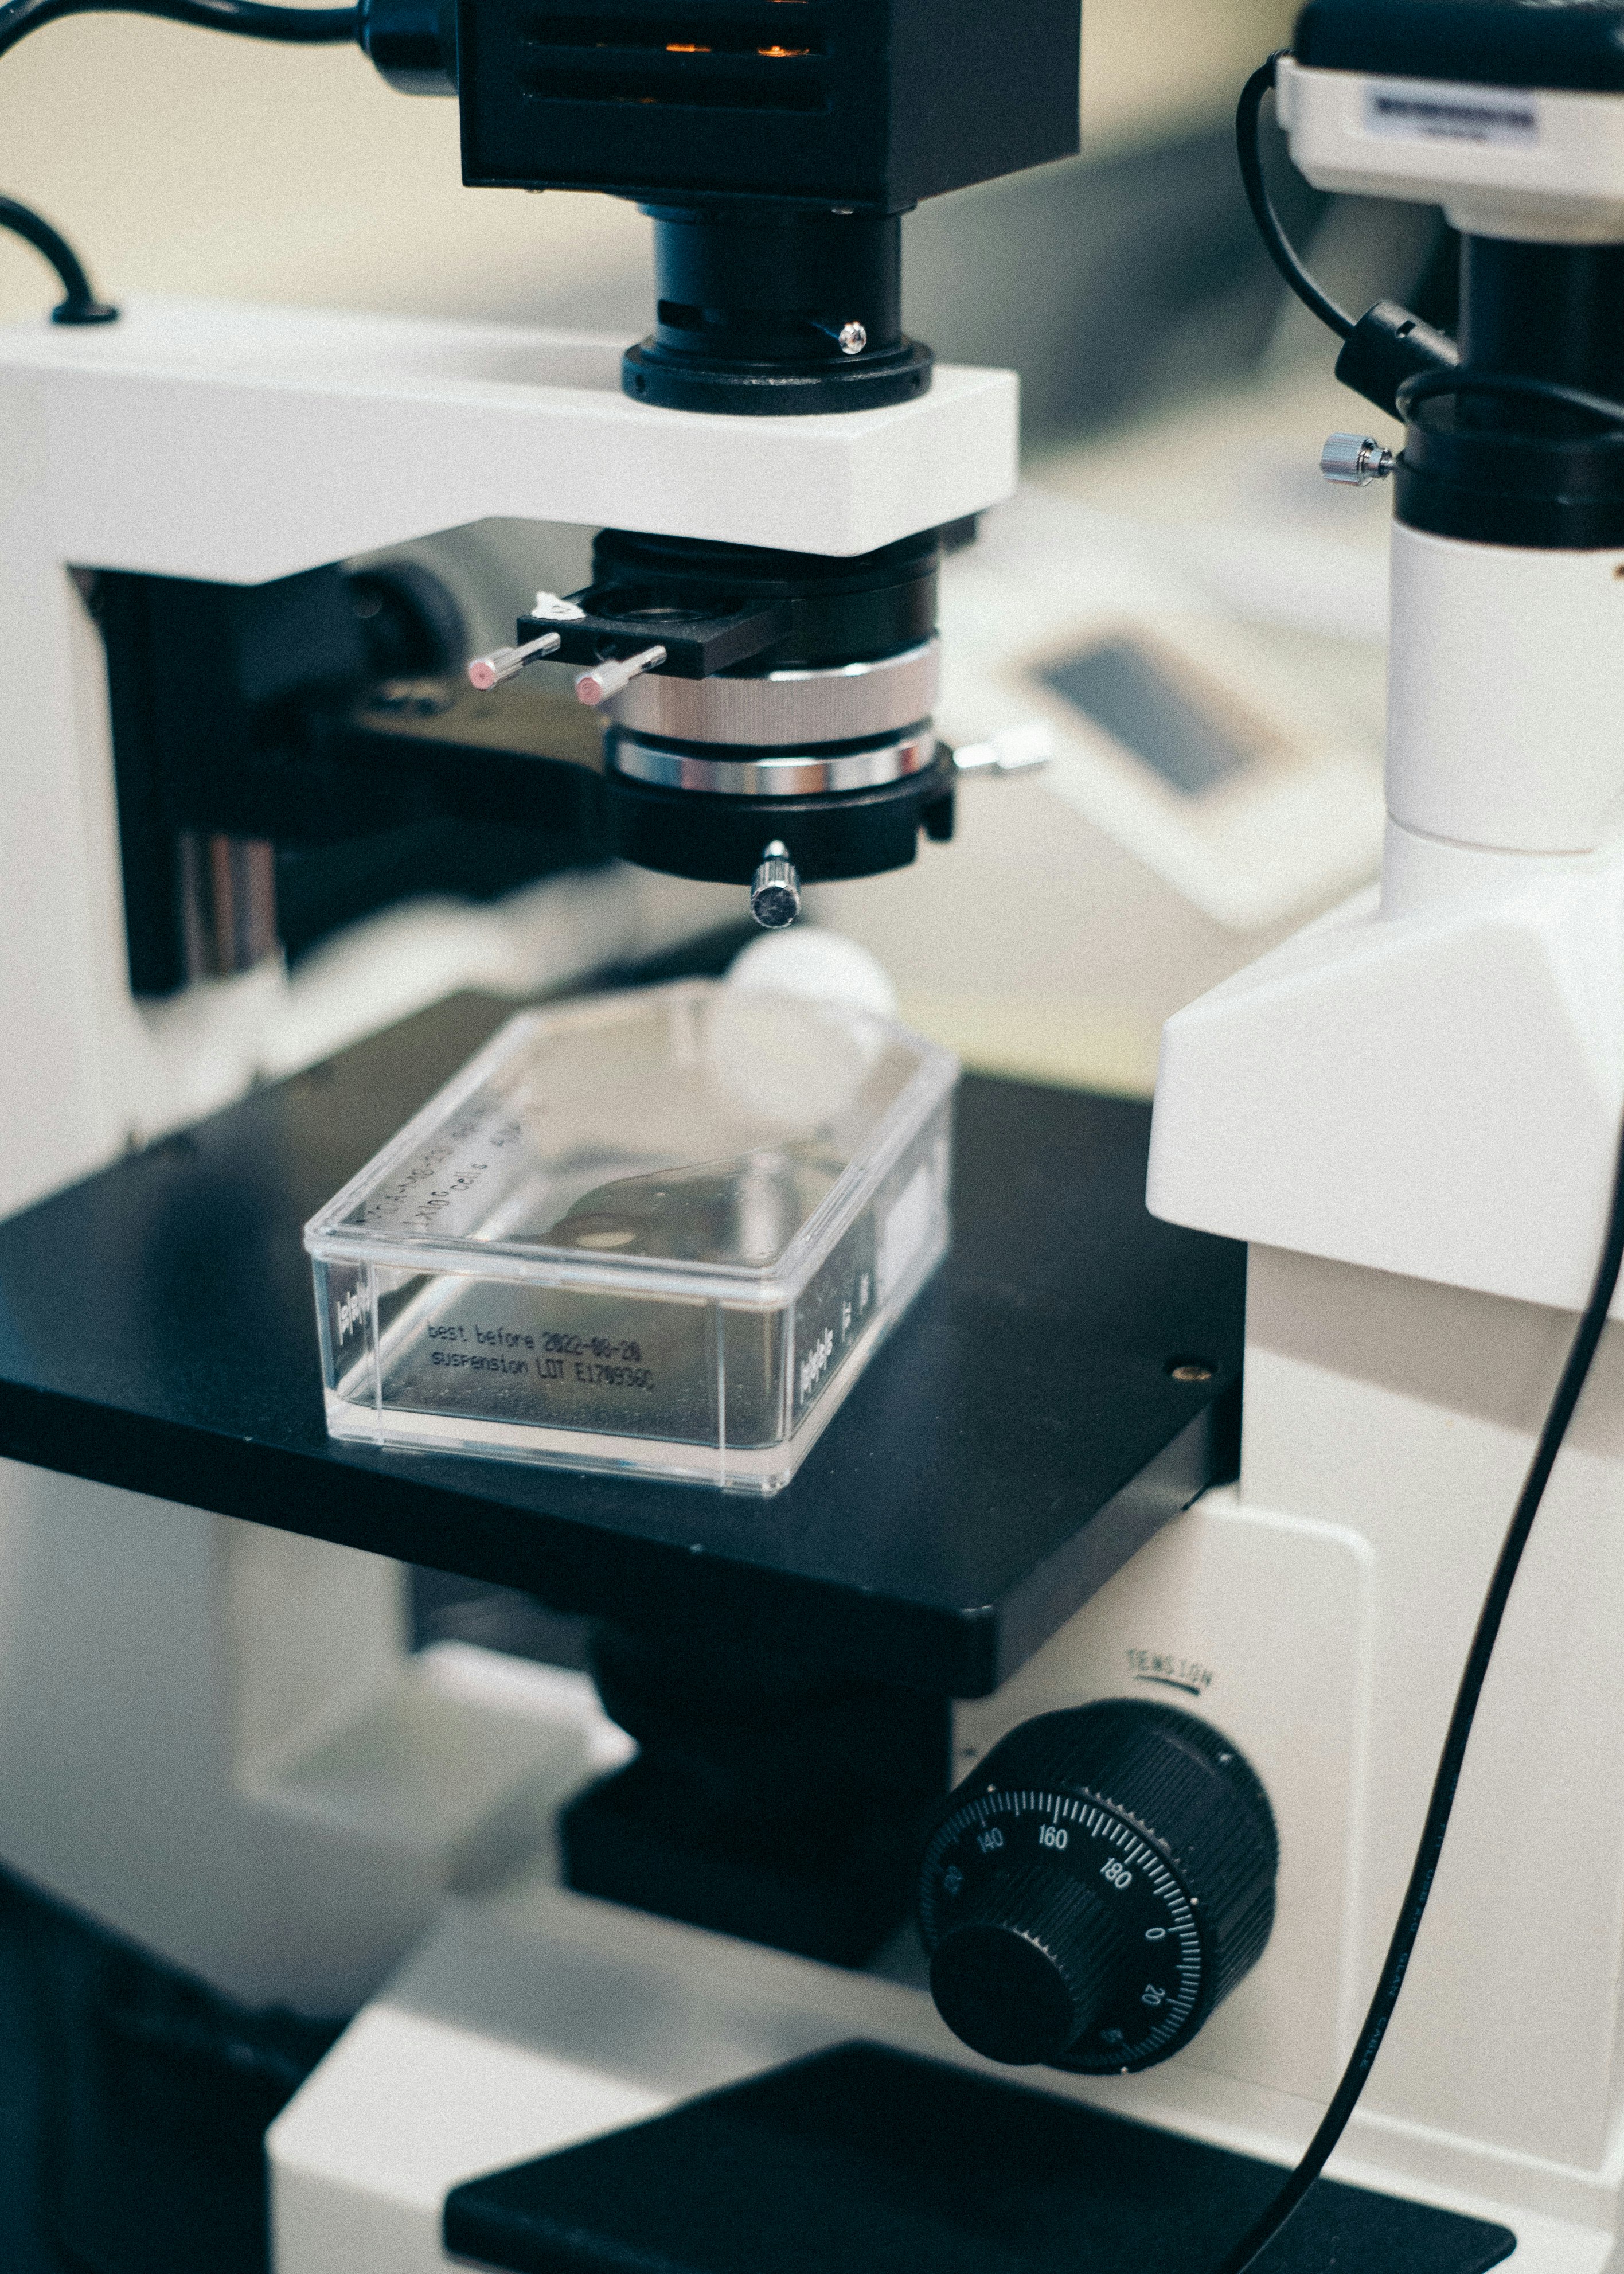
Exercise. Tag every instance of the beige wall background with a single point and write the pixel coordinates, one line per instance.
(185, 162)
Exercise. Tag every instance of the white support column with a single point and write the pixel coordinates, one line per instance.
(1407, 1413)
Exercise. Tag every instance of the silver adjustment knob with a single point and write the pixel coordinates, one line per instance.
(1355, 460)
(488, 671)
(1012, 750)
(775, 889)
(609, 678)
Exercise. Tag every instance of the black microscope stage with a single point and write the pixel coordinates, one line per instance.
(1020, 1435)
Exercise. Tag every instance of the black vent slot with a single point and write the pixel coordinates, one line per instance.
(688, 91)
(749, 60)
(772, 40)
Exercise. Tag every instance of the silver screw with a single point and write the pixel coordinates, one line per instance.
(853, 338)
(775, 889)
(1355, 460)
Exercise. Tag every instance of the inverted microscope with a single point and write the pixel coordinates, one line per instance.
(1076, 1710)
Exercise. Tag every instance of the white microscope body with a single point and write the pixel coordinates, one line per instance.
(1408, 1113)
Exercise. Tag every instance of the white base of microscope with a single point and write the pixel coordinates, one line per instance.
(538, 2018)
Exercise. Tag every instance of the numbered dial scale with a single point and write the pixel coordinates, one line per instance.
(1093, 1891)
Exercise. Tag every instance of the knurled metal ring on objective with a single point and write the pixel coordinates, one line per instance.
(774, 709)
(807, 773)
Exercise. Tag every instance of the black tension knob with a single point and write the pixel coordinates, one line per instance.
(1095, 1889)
(1026, 1965)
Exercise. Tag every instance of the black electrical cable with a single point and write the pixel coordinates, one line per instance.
(1574, 1373)
(1425, 386)
(81, 305)
(1281, 250)
(307, 27)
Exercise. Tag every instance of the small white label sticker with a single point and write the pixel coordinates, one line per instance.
(1434, 110)
(907, 1221)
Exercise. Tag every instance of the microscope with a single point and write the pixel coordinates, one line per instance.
(1136, 1713)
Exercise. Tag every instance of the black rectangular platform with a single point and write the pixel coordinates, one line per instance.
(1020, 1435)
(874, 2162)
